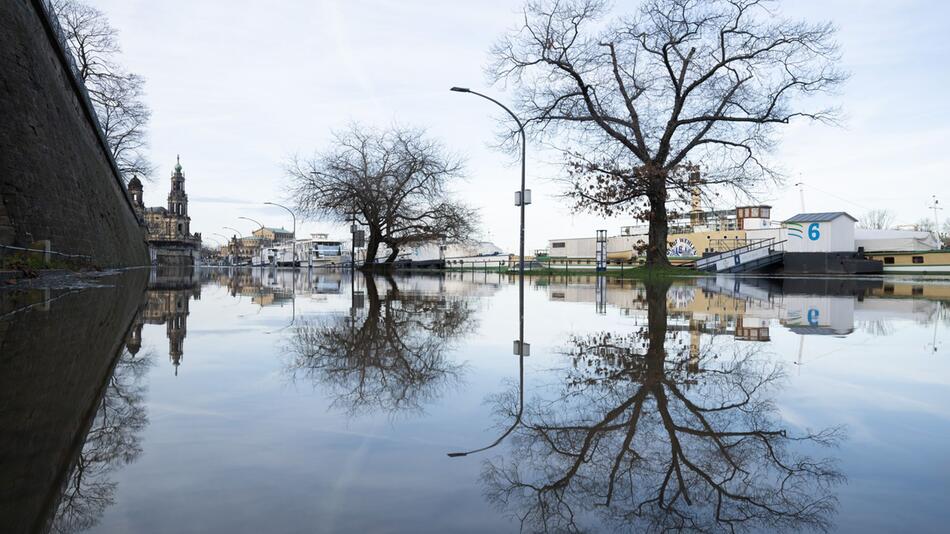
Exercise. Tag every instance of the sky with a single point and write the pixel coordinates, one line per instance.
(238, 87)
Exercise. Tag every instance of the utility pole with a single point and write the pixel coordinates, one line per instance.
(935, 205)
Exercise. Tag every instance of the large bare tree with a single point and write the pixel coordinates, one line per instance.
(116, 95)
(637, 100)
(395, 181)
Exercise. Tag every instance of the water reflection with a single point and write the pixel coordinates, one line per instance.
(167, 300)
(649, 433)
(113, 440)
(390, 355)
(657, 407)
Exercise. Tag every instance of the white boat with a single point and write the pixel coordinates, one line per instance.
(266, 257)
(318, 251)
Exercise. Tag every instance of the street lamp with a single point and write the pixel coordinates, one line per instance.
(524, 195)
(255, 222)
(521, 349)
(294, 240)
(522, 198)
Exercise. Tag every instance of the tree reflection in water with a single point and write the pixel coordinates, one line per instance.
(650, 435)
(391, 357)
(113, 441)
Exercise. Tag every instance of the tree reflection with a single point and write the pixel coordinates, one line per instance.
(392, 357)
(649, 435)
(113, 440)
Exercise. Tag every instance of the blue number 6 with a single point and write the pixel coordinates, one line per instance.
(813, 232)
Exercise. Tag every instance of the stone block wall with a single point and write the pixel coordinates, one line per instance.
(57, 179)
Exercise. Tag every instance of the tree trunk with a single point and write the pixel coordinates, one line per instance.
(372, 247)
(659, 224)
(392, 255)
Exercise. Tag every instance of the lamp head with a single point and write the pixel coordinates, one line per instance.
(461, 90)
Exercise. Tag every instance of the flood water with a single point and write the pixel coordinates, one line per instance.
(271, 401)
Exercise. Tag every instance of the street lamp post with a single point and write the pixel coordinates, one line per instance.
(237, 234)
(294, 240)
(523, 198)
(261, 253)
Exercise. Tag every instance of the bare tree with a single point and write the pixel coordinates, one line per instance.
(878, 219)
(639, 97)
(395, 181)
(925, 225)
(116, 95)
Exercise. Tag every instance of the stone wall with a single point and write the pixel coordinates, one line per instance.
(57, 178)
(55, 361)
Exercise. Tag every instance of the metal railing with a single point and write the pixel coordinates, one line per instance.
(770, 243)
(42, 251)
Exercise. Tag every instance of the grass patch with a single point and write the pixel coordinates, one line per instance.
(29, 263)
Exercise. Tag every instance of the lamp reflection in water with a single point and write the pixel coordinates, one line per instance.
(522, 350)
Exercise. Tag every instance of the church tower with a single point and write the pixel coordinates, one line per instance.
(177, 199)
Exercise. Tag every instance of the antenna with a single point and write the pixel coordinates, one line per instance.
(935, 205)
(801, 194)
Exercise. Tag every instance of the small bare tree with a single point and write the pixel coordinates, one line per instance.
(878, 219)
(117, 95)
(638, 97)
(394, 181)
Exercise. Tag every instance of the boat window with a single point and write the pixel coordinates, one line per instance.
(889, 260)
(918, 259)
(888, 289)
(558, 245)
(917, 290)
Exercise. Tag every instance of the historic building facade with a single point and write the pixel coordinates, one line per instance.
(169, 228)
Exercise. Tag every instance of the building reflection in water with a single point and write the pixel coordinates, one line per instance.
(167, 299)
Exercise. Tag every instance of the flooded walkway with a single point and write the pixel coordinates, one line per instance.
(271, 401)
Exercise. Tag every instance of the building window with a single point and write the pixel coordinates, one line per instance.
(888, 260)
(918, 259)
(560, 244)
(179, 228)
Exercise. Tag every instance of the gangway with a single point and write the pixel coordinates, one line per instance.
(750, 257)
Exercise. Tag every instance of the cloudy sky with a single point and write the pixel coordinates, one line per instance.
(237, 87)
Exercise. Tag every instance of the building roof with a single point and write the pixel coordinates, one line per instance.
(275, 230)
(820, 217)
(135, 183)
